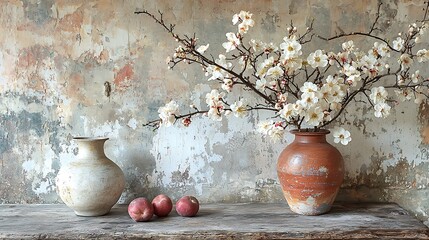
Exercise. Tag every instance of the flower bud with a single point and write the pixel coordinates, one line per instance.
(186, 121)
(418, 39)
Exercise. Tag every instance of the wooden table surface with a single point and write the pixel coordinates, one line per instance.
(215, 221)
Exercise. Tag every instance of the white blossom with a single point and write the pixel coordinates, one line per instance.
(308, 87)
(216, 71)
(265, 126)
(403, 94)
(336, 94)
(314, 116)
(257, 45)
(381, 49)
(350, 70)
(348, 46)
(275, 72)
(232, 43)
(272, 129)
(179, 52)
(282, 97)
(239, 109)
(343, 57)
(264, 66)
(215, 113)
(405, 60)
(227, 84)
(201, 49)
(341, 135)
(331, 81)
(382, 109)
(419, 96)
(368, 62)
(214, 98)
(246, 21)
(235, 19)
(291, 48)
(422, 55)
(416, 77)
(291, 64)
(167, 113)
(288, 111)
(271, 47)
(317, 59)
(276, 133)
(378, 95)
(352, 73)
(308, 99)
(398, 44)
(214, 102)
(260, 84)
(335, 106)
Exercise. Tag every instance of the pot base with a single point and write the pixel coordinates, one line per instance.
(91, 213)
(311, 206)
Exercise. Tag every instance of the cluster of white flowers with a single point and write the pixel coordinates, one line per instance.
(214, 101)
(378, 96)
(273, 129)
(168, 113)
(309, 90)
(245, 19)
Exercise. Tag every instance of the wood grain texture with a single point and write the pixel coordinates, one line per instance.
(215, 221)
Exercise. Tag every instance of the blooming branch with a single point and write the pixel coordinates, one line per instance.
(303, 91)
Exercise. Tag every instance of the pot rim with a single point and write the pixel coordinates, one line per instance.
(84, 138)
(309, 131)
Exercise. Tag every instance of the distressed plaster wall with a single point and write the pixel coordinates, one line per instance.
(57, 57)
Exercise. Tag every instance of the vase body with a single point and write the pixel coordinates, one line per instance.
(310, 171)
(90, 184)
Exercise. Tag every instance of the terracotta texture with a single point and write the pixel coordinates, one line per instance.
(310, 171)
(91, 184)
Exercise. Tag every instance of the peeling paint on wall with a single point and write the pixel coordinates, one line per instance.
(56, 58)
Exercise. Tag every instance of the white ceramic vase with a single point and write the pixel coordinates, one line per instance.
(92, 183)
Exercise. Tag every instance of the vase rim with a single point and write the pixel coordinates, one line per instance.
(82, 138)
(309, 131)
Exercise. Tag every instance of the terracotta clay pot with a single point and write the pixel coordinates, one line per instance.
(310, 171)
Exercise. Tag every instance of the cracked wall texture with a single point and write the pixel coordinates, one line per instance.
(58, 60)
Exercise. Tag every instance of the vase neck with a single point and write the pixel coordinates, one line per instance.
(310, 137)
(91, 147)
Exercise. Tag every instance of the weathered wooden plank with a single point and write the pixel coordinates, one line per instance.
(215, 221)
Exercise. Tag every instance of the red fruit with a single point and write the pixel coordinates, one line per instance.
(187, 206)
(162, 205)
(140, 210)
